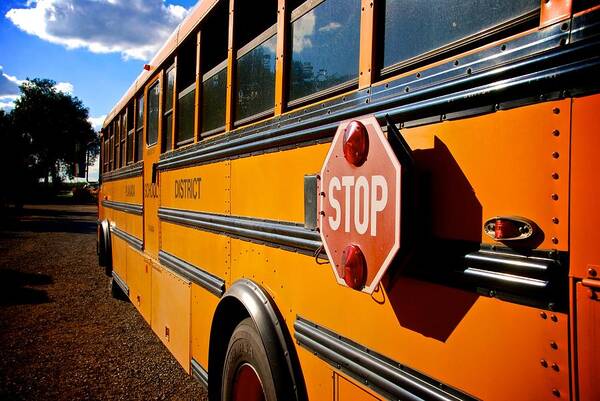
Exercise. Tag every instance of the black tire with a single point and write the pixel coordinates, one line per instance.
(116, 292)
(246, 349)
(105, 248)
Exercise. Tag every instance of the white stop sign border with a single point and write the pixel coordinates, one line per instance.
(375, 134)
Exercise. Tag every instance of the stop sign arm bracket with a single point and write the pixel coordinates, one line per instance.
(399, 145)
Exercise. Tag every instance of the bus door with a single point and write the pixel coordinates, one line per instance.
(151, 154)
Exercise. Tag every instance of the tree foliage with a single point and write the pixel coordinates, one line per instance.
(46, 131)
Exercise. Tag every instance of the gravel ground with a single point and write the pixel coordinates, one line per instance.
(62, 337)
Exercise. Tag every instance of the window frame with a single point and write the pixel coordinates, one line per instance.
(184, 92)
(241, 52)
(296, 14)
(169, 142)
(156, 81)
(223, 65)
(470, 42)
(139, 128)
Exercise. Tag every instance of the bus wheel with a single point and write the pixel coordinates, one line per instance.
(246, 372)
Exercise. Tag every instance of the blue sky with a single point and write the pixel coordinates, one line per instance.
(93, 48)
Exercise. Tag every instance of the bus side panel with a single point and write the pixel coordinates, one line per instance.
(271, 186)
(204, 305)
(508, 163)
(347, 390)
(445, 333)
(171, 313)
(119, 247)
(128, 190)
(585, 252)
(139, 281)
(207, 251)
(201, 188)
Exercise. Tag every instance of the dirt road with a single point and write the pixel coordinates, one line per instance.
(62, 337)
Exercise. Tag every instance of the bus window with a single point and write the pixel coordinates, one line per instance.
(139, 127)
(435, 24)
(325, 48)
(112, 146)
(130, 132)
(186, 89)
(153, 114)
(255, 69)
(213, 59)
(168, 107)
(123, 139)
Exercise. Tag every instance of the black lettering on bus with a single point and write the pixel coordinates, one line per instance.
(188, 188)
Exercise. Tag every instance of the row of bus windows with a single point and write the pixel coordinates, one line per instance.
(325, 44)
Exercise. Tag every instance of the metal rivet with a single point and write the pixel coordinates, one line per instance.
(544, 363)
(555, 176)
(554, 318)
(554, 240)
(555, 392)
(543, 315)
(469, 71)
(556, 110)
(553, 345)
(555, 197)
(556, 132)
(555, 155)
(592, 272)
(555, 220)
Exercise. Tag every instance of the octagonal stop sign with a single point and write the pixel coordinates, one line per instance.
(359, 207)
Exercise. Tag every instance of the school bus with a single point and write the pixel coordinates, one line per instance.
(365, 199)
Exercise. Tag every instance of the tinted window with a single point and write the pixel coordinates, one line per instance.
(139, 128)
(214, 90)
(325, 44)
(256, 80)
(168, 110)
(153, 114)
(185, 114)
(413, 27)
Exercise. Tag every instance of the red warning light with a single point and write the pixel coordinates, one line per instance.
(353, 268)
(356, 143)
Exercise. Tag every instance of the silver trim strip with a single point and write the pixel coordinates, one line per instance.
(132, 208)
(199, 372)
(120, 283)
(278, 234)
(214, 71)
(130, 239)
(506, 278)
(384, 375)
(257, 41)
(193, 273)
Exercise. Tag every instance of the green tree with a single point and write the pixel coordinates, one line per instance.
(55, 126)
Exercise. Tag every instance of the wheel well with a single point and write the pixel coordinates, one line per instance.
(246, 299)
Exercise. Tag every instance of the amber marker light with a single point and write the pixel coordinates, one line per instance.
(353, 268)
(356, 143)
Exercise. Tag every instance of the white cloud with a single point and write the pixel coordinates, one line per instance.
(9, 85)
(332, 26)
(7, 102)
(303, 28)
(65, 87)
(133, 28)
(97, 122)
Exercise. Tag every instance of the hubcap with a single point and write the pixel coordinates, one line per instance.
(247, 385)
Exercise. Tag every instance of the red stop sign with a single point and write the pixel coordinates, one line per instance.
(359, 205)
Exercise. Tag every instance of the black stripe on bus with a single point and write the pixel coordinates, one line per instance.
(273, 233)
(385, 376)
(199, 373)
(193, 273)
(535, 67)
(133, 170)
(124, 207)
(119, 281)
(130, 239)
